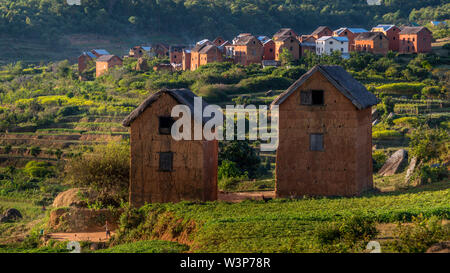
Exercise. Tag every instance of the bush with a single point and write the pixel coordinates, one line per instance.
(380, 158)
(242, 154)
(420, 235)
(105, 170)
(429, 144)
(401, 88)
(263, 83)
(386, 134)
(407, 121)
(39, 169)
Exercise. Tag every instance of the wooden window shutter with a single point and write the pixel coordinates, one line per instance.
(305, 97)
(166, 161)
(316, 142)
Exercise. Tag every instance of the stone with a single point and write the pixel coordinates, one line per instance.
(10, 215)
(411, 168)
(141, 65)
(395, 163)
(441, 247)
(269, 93)
(375, 122)
(375, 114)
(75, 197)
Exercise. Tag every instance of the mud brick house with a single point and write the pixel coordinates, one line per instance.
(307, 43)
(351, 34)
(186, 59)
(218, 41)
(322, 31)
(391, 32)
(290, 43)
(284, 32)
(325, 117)
(99, 52)
(269, 48)
(247, 50)
(415, 40)
(176, 54)
(374, 42)
(84, 60)
(162, 169)
(138, 51)
(205, 53)
(160, 50)
(105, 62)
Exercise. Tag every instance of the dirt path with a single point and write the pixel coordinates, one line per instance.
(80, 236)
(241, 196)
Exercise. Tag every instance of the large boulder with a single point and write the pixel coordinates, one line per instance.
(141, 65)
(75, 197)
(10, 215)
(395, 163)
(411, 168)
(442, 247)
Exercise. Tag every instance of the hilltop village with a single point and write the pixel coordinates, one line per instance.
(247, 48)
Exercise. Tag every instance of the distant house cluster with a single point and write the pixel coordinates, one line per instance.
(246, 49)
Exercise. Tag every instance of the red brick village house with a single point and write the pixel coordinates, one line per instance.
(105, 62)
(374, 42)
(415, 40)
(392, 33)
(163, 169)
(325, 135)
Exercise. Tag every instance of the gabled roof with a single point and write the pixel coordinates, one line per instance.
(384, 27)
(203, 41)
(285, 37)
(106, 58)
(101, 51)
(183, 96)
(340, 39)
(89, 54)
(413, 30)
(369, 36)
(319, 29)
(207, 48)
(284, 32)
(353, 30)
(342, 80)
(244, 40)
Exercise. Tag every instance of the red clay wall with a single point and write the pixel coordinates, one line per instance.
(342, 168)
(194, 175)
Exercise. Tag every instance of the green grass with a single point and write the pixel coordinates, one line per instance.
(283, 225)
(156, 246)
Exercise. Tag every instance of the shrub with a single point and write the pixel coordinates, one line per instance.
(242, 154)
(386, 134)
(420, 235)
(38, 169)
(407, 121)
(105, 170)
(429, 144)
(263, 83)
(401, 88)
(380, 158)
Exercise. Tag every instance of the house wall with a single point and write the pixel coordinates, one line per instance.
(343, 168)
(103, 67)
(250, 53)
(375, 46)
(292, 44)
(83, 62)
(392, 35)
(194, 175)
(351, 38)
(176, 56)
(195, 60)
(325, 47)
(186, 61)
(415, 43)
(269, 51)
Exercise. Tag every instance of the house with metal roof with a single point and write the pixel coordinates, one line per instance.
(326, 45)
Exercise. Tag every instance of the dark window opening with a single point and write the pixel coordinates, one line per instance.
(312, 97)
(316, 142)
(166, 161)
(165, 125)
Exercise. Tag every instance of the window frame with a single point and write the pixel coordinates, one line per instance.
(322, 142)
(160, 167)
(170, 127)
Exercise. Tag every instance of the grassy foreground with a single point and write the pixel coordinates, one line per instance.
(277, 226)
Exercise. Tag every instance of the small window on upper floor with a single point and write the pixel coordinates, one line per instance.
(312, 97)
(165, 125)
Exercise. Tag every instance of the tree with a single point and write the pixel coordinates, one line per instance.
(241, 153)
(286, 57)
(35, 151)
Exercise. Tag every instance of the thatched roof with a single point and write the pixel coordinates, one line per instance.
(342, 80)
(182, 96)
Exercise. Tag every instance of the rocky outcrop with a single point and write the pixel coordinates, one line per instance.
(10, 215)
(442, 247)
(75, 197)
(395, 163)
(83, 220)
(411, 168)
